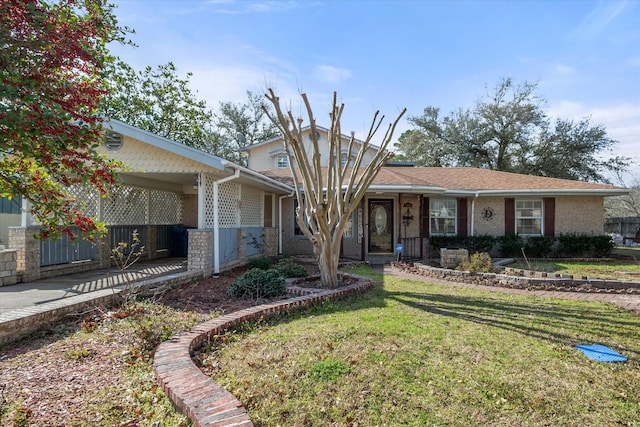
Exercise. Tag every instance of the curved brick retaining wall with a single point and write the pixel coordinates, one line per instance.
(198, 396)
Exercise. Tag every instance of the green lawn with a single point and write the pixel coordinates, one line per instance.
(417, 354)
(620, 270)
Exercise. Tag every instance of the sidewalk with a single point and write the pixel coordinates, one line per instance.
(44, 291)
(626, 301)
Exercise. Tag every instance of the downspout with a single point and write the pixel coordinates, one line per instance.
(216, 219)
(473, 216)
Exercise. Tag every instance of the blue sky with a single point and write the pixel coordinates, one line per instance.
(386, 55)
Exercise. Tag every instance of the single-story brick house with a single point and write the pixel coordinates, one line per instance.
(409, 204)
(185, 202)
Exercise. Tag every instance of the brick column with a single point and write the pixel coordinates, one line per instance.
(200, 254)
(8, 266)
(103, 252)
(28, 252)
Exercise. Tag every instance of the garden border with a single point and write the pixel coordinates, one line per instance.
(195, 394)
(525, 279)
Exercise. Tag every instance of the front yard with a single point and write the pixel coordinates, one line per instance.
(411, 353)
(404, 353)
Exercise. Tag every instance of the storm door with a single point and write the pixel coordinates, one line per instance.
(381, 226)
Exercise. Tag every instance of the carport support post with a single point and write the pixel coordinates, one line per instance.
(216, 221)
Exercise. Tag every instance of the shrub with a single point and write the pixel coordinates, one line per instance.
(539, 246)
(510, 245)
(263, 263)
(602, 245)
(289, 268)
(257, 283)
(480, 262)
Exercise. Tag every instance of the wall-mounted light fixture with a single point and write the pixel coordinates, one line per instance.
(407, 217)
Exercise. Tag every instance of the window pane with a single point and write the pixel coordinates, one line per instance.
(443, 216)
(282, 162)
(529, 217)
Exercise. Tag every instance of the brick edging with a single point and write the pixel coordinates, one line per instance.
(20, 322)
(195, 394)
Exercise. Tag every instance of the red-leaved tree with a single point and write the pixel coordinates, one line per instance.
(52, 56)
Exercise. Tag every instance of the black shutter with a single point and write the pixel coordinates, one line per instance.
(509, 216)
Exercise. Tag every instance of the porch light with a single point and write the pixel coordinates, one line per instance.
(407, 217)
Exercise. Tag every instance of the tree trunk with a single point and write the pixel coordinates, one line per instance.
(328, 261)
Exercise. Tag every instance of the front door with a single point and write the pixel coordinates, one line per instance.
(381, 226)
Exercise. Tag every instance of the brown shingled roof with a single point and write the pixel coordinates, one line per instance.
(465, 179)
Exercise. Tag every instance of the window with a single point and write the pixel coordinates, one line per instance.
(344, 159)
(282, 161)
(297, 231)
(529, 217)
(443, 216)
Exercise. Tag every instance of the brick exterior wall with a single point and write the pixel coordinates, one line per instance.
(190, 210)
(8, 267)
(580, 215)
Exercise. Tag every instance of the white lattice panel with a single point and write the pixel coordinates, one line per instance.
(165, 207)
(87, 199)
(251, 208)
(207, 181)
(228, 198)
(126, 206)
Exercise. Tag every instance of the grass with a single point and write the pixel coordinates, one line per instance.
(618, 269)
(416, 354)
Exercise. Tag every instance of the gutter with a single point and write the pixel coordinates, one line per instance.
(473, 214)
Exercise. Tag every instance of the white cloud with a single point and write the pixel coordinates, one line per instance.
(330, 74)
(621, 120)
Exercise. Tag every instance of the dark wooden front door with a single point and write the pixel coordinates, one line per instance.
(381, 226)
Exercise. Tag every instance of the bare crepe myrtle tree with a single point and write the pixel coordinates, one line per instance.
(328, 196)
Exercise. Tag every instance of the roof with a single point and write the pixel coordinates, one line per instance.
(471, 181)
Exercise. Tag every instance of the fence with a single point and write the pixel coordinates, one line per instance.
(625, 226)
(63, 251)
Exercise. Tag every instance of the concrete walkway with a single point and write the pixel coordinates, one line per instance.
(627, 301)
(43, 291)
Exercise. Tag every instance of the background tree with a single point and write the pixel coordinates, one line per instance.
(239, 125)
(508, 130)
(51, 58)
(624, 206)
(326, 197)
(159, 101)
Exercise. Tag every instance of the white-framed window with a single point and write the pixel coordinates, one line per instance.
(282, 161)
(442, 214)
(529, 217)
(344, 158)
